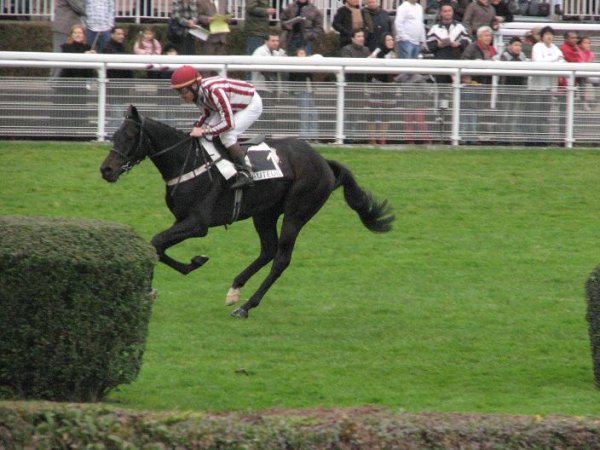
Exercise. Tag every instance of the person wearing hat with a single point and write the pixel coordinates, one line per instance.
(229, 107)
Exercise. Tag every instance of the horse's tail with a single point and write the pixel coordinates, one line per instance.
(375, 215)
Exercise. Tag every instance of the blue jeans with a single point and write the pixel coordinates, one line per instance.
(309, 116)
(103, 38)
(407, 50)
(297, 42)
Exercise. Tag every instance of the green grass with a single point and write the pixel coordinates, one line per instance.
(473, 303)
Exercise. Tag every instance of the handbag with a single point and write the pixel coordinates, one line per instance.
(175, 32)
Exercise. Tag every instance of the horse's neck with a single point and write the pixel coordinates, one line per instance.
(181, 155)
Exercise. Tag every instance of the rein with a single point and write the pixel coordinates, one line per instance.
(194, 147)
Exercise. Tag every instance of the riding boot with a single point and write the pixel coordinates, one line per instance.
(244, 175)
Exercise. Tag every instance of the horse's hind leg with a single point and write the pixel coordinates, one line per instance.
(266, 227)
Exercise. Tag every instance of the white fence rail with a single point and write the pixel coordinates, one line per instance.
(330, 111)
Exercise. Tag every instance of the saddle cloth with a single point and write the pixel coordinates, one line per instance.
(263, 159)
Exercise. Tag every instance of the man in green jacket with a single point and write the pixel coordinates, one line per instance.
(256, 23)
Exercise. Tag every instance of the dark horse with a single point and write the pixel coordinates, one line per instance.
(206, 201)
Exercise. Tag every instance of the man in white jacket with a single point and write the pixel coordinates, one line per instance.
(410, 29)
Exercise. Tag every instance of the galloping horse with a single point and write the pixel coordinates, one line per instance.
(199, 196)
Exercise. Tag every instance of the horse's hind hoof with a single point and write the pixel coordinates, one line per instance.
(240, 313)
(233, 296)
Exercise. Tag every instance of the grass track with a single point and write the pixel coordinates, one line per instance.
(474, 303)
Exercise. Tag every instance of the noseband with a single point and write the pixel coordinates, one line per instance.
(130, 164)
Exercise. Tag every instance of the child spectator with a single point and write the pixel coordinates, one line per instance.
(146, 44)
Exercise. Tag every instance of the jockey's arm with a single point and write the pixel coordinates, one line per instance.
(221, 100)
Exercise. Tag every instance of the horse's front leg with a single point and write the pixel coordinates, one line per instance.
(180, 231)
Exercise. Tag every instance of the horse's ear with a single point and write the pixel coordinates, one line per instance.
(132, 113)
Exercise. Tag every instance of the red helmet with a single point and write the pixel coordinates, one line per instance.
(185, 76)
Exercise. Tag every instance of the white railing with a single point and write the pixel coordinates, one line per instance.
(458, 113)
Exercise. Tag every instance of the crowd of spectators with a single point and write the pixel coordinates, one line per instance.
(463, 30)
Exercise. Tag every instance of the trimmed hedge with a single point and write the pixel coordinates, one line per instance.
(592, 290)
(50, 426)
(74, 307)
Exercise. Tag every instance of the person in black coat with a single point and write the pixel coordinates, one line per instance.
(76, 44)
(116, 46)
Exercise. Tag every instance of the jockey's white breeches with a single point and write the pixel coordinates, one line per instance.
(241, 121)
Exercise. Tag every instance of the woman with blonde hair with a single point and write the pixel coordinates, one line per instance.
(76, 44)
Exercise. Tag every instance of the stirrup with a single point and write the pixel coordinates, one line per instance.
(243, 179)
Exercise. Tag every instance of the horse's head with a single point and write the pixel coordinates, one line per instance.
(127, 150)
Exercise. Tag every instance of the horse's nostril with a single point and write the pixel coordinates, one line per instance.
(105, 171)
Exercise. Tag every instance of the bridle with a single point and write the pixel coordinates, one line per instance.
(129, 164)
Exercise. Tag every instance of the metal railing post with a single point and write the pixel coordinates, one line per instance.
(339, 120)
(570, 98)
(456, 86)
(100, 130)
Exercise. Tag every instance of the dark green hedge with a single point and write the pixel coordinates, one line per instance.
(592, 290)
(74, 307)
(54, 426)
(37, 37)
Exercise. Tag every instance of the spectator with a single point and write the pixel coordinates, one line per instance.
(510, 98)
(66, 14)
(185, 13)
(76, 43)
(587, 56)
(460, 7)
(381, 97)
(166, 71)
(530, 39)
(417, 97)
(268, 84)
(447, 39)
(381, 24)
(216, 43)
(74, 92)
(116, 46)
(476, 94)
(302, 23)
(146, 44)
(503, 12)
(99, 19)
(350, 18)
(410, 29)
(303, 91)
(542, 86)
(570, 50)
(355, 95)
(256, 23)
(478, 14)
(117, 91)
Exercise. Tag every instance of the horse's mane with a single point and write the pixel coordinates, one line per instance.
(167, 129)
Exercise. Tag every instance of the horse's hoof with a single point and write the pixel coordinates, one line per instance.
(240, 313)
(233, 296)
(152, 294)
(198, 261)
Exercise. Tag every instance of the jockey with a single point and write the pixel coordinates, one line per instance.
(228, 108)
